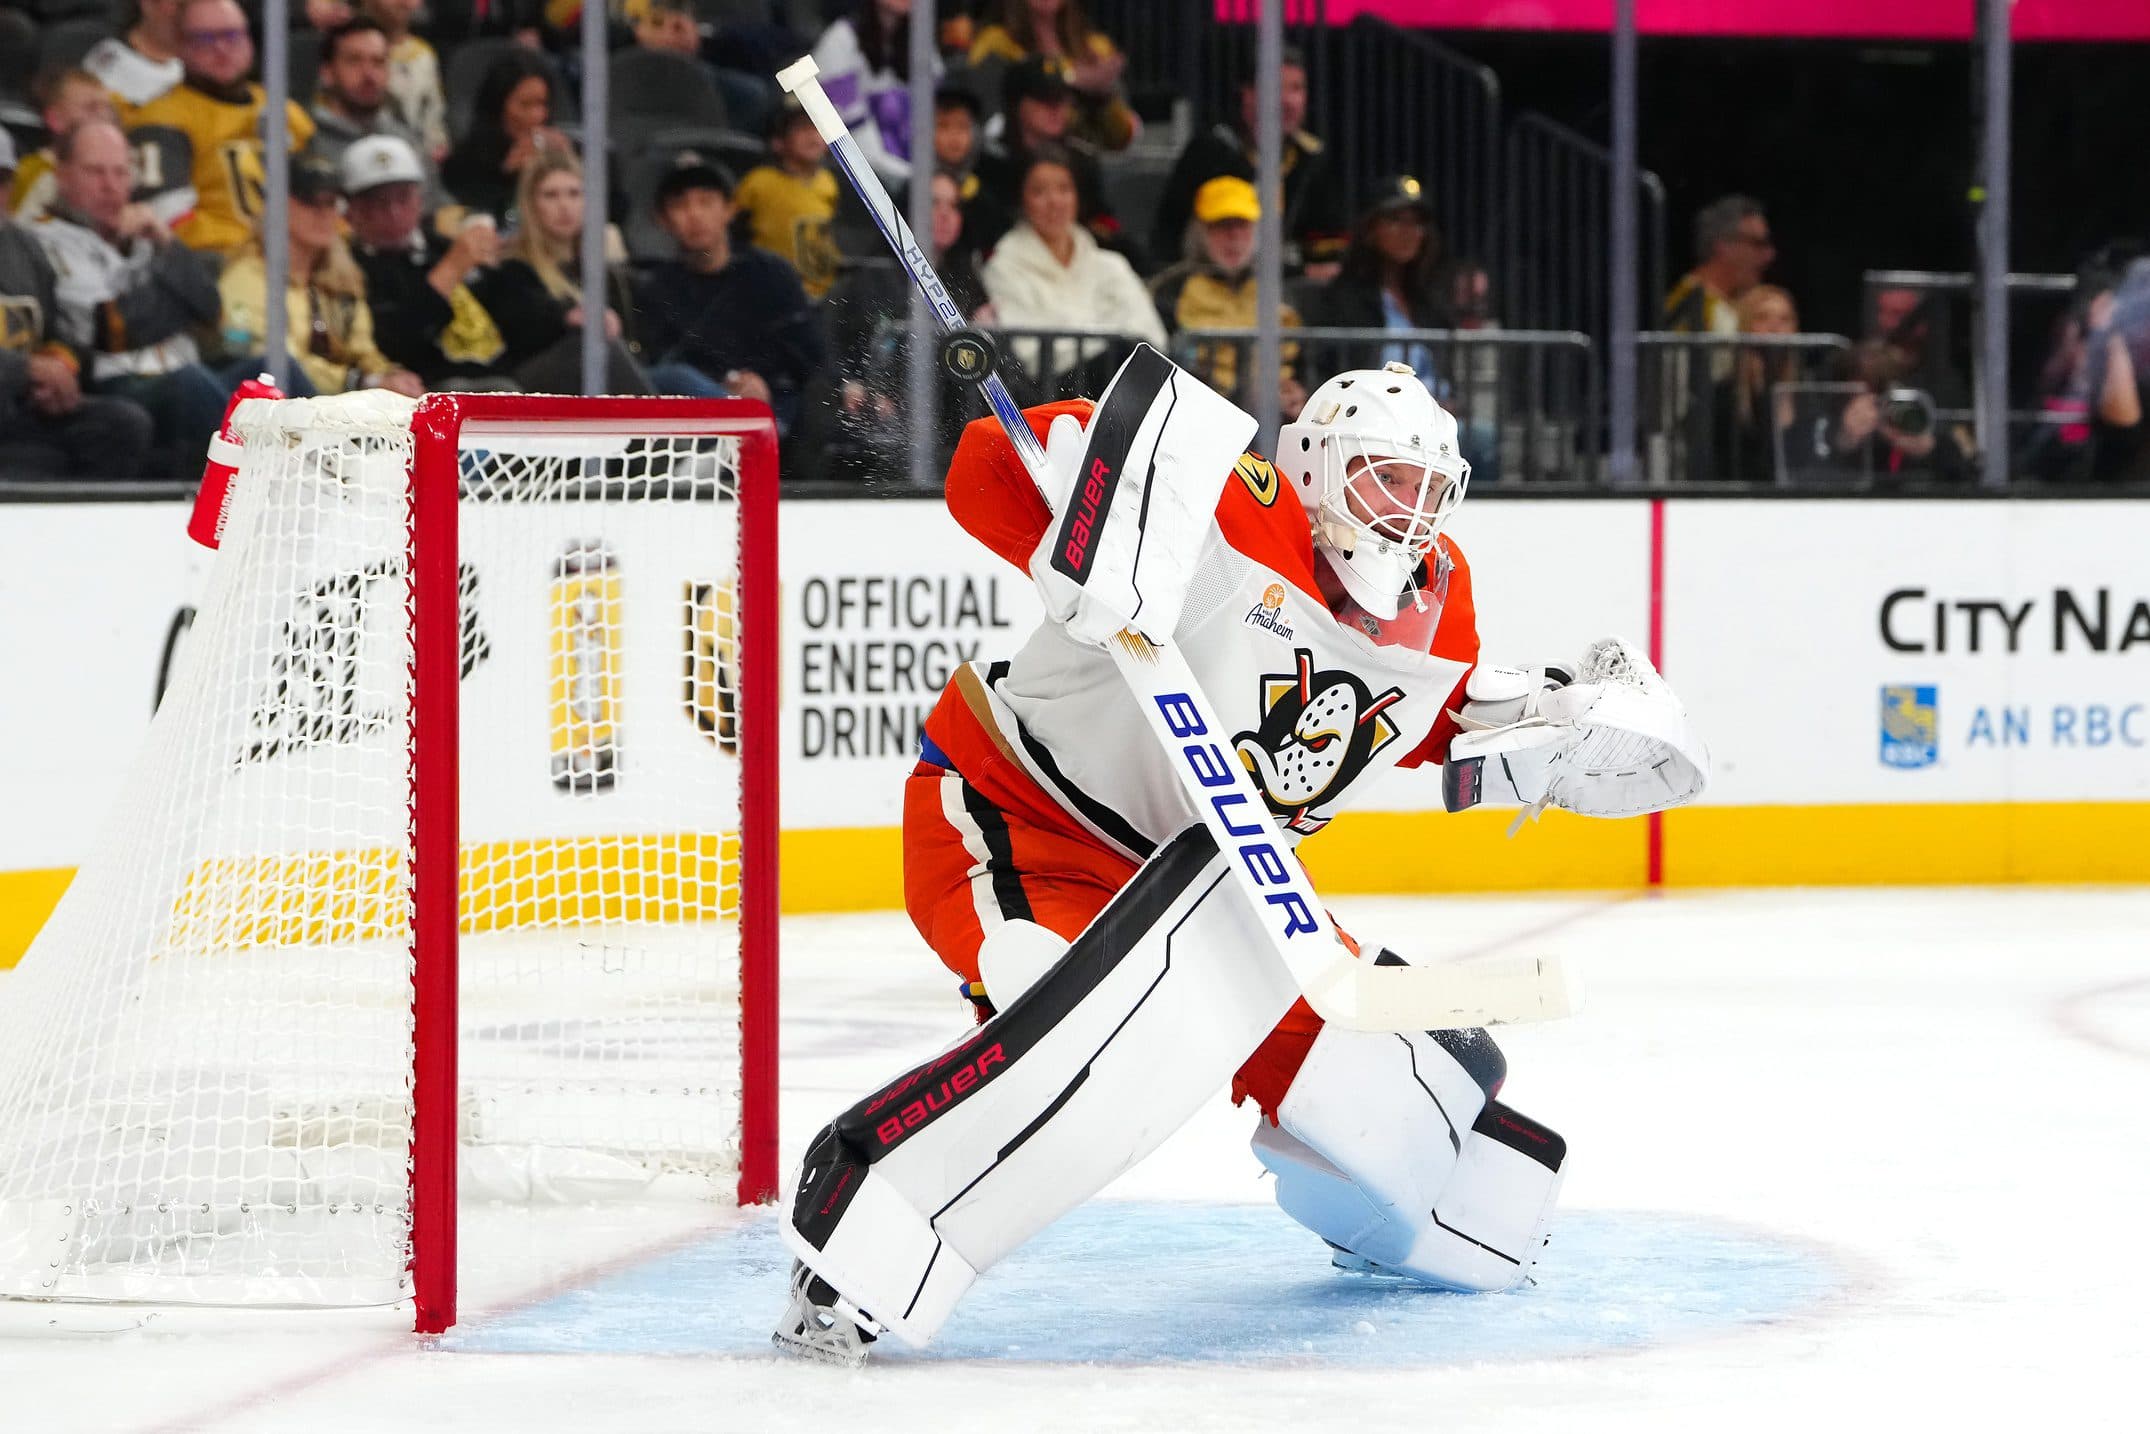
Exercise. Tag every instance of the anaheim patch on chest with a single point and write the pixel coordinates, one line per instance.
(1318, 732)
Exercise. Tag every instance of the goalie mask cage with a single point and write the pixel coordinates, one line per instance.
(455, 831)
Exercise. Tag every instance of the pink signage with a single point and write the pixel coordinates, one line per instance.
(1842, 19)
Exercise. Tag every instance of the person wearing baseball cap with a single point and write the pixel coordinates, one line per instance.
(1085, 58)
(328, 325)
(1214, 287)
(1316, 216)
(418, 280)
(1392, 275)
(724, 318)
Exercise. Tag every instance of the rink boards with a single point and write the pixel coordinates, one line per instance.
(1893, 691)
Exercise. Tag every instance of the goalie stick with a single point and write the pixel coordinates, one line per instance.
(1342, 989)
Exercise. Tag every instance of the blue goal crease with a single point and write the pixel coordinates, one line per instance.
(1177, 1284)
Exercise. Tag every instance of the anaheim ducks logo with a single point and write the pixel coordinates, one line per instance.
(1318, 732)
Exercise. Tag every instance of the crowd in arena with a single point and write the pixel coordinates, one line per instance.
(436, 205)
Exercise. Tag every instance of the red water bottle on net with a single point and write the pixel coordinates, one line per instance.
(212, 505)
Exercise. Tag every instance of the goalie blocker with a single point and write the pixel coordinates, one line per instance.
(1390, 1146)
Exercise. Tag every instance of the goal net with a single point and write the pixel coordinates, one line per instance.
(454, 829)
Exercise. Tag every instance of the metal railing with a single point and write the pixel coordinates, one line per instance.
(1526, 401)
(1556, 229)
(1397, 102)
(1690, 428)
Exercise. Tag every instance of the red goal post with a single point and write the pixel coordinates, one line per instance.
(440, 427)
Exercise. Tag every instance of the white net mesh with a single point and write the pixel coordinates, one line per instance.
(205, 1059)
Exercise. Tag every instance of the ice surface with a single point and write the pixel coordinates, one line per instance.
(1841, 1160)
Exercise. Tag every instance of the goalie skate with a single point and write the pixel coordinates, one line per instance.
(820, 1324)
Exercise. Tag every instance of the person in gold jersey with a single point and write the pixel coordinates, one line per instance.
(198, 148)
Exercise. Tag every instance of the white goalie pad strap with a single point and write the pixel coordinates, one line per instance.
(1137, 490)
(1483, 1232)
(911, 1193)
(1615, 742)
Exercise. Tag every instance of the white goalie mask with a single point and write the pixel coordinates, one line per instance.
(1377, 466)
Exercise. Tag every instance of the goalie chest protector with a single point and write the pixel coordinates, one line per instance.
(1314, 702)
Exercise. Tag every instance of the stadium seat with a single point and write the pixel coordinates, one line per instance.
(655, 85)
(65, 42)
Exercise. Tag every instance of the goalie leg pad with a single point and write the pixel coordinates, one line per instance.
(1389, 1148)
(914, 1191)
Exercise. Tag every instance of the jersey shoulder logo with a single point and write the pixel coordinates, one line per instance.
(1260, 476)
(1268, 614)
(1318, 732)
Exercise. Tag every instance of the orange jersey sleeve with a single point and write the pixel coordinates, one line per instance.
(1455, 637)
(990, 492)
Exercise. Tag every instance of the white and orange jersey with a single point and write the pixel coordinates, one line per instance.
(1315, 691)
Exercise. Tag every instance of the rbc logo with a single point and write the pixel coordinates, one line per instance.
(1910, 726)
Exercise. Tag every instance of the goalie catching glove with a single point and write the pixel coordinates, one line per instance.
(1134, 494)
(1609, 739)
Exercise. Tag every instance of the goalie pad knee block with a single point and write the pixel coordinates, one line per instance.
(1392, 1148)
(914, 1191)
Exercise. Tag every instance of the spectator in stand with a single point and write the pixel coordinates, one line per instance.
(665, 25)
(1732, 252)
(788, 204)
(1038, 110)
(511, 125)
(65, 99)
(351, 102)
(670, 27)
(48, 427)
(1391, 279)
(328, 328)
(143, 62)
(1214, 288)
(957, 114)
(1749, 412)
(732, 314)
(198, 148)
(414, 80)
(1049, 273)
(867, 312)
(535, 296)
(130, 296)
(1915, 323)
(425, 316)
(7, 168)
(866, 68)
(1317, 226)
(1060, 33)
(1878, 433)
(957, 119)
(2088, 390)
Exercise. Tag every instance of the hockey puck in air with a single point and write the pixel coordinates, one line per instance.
(969, 355)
